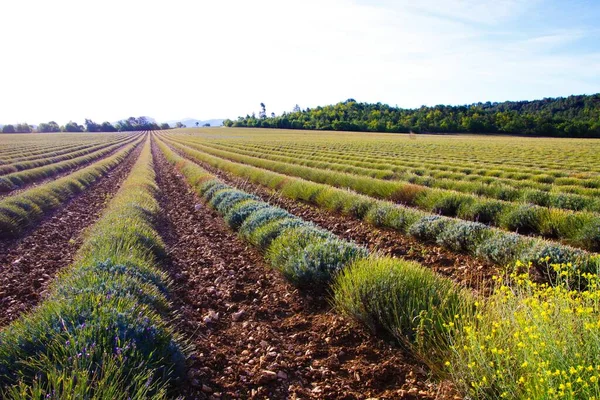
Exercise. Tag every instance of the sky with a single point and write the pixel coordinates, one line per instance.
(67, 60)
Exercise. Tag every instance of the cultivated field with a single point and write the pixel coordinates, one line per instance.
(245, 263)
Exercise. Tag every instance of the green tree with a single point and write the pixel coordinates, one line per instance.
(107, 127)
(8, 129)
(48, 127)
(23, 128)
(91, 126)
(263, 111)
(573, 116)
(73, 127)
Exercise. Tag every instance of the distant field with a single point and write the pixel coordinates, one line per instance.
(547, 188)
(476, 256)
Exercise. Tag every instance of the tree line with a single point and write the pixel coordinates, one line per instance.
(573, 116)
(125, 125)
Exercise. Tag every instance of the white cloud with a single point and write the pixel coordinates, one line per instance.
(112, 59)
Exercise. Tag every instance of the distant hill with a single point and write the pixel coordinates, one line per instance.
(573, 116)
(191, 122)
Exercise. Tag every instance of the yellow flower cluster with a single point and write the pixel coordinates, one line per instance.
(532, 340)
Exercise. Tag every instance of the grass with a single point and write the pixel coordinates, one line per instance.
(101, 332)
(403, 300)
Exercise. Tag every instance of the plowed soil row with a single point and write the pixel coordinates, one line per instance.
(466, 270)
(255, 335)
(28, 263)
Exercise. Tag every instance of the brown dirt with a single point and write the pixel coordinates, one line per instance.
(254, 334)
(28, 263)
(463, 269)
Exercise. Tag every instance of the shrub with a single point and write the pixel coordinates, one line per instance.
(484, 211)
(389, 215)
(529, 341)
(309, 256)
(208, 188)
(589, 236)
(264, 235)
(357, 206)
(405, 300)
(428, 228)
(507, 193)
(445, 203)
(238, 213)
(301, 190)
(544, 253)
(225, 199)
(525, 219)
(464, 236)
(536, 197)
(408, 194)
(502, 248)
(260, 218)
(332, 199)
(100, 332)
(88, 326)
(573, 202)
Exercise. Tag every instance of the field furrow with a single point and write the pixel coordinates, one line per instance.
(514, 186)
(102, 329)
(463, 268)
(256, 335)
(574, 228)
(47, 159)
(28, 265)
(55, 145)
(243, 263)
(495, 245)
(21, 211)
(25, 178)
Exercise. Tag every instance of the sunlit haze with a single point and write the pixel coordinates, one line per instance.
(107, 60)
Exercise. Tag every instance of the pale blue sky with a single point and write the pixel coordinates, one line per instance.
(107, 60)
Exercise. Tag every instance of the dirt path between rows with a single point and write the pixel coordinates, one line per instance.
(28, 263)
(463, 269)
(255, 335)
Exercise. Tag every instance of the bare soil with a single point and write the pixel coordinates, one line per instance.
(254, 334)
(28, 263)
